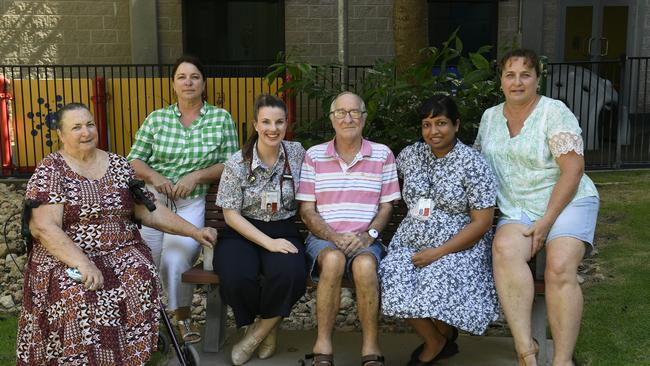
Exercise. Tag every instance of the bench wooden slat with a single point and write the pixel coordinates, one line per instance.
(197, 275)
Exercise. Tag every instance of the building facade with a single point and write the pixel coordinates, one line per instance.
(144, 31)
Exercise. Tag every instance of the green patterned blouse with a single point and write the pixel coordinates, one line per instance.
(175, 151)
(525, 165)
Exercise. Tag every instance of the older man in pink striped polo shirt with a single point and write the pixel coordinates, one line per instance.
(347, 189)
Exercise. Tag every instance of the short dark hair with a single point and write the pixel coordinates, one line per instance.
(190, 60)
(529, 56)
(440, 105)
(263, 100)
(58, 117)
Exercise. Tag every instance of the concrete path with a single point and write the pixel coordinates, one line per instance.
(292, 346)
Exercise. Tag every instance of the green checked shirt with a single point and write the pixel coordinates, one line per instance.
(175, 151)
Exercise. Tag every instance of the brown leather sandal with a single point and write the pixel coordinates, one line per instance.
(187, 332)
(320, 359)
(533, 351)
(372, 360)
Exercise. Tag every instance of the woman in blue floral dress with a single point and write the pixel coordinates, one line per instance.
(437, 274)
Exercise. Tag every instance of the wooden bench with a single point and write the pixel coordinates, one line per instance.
(215, 317)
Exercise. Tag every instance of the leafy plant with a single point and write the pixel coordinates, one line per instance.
(392, 99)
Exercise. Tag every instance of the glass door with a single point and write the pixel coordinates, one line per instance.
(594, 37)
(595, 30)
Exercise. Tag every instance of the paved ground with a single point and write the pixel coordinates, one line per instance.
(474, 351)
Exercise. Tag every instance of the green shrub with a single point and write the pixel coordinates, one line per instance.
(393, 99)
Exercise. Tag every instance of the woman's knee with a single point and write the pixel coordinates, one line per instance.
(506, 248)
(562, 260)
(175, 261)
(560, 272)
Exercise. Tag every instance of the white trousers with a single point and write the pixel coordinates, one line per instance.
(174, 254)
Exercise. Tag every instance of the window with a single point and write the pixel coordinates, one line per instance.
(236, 32)
(478, 22)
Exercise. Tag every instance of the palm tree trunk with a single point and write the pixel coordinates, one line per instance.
(410, 32)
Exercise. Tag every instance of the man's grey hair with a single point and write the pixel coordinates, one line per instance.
(362, 106)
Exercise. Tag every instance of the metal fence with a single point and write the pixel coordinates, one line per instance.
(610, 100)
(119, 96)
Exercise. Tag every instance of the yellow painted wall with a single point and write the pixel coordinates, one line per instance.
(35, 102)
(134, 99)
(129, 101)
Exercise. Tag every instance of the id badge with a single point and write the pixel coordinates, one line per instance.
(424, 208)
(270, 201)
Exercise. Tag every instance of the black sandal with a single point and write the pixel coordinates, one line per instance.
(372, 360)
(319, 359)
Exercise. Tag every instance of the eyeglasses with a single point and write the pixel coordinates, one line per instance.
(341, 113)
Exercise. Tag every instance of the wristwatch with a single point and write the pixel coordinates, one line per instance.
(373, 233)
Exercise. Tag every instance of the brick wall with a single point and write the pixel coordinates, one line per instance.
(507, 28)
(549, 36)
(645, 35)
(170, 30)
(311, 30)
(56, 32)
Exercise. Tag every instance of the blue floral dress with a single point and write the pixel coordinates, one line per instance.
(457, 288)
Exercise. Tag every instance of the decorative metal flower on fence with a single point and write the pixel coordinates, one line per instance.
(44, 118)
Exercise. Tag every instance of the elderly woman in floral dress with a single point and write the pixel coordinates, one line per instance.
(84, 219)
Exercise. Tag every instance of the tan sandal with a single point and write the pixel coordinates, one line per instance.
(188, 334)
(533, 351)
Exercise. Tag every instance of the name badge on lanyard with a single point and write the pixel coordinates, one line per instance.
(423, 209)
(270, 201)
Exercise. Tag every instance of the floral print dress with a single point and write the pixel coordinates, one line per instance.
(458, 288)
(63, 323)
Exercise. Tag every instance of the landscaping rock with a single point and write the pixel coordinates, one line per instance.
(7, 302)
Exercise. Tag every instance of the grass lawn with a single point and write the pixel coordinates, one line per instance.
(616, 324)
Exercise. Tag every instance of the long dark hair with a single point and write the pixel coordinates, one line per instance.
(263, 100)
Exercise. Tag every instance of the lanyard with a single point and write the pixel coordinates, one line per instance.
(286, 175)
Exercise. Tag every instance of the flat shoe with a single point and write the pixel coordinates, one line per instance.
(269, 344)
(453, 337)
(454, 334)
(449, 349)
(243, 350)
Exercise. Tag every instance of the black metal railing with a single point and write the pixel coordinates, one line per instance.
(120, 97)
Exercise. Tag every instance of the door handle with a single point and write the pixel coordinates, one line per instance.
(604, 46)
(589, 42)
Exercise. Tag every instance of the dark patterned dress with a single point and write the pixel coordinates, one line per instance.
(61, 322)
(459, 287)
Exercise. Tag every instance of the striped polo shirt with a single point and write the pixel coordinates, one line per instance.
(348, 196)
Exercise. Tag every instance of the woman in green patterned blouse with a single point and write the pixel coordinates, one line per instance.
(534, 145)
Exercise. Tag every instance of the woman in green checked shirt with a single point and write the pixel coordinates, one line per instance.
(179, 150)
